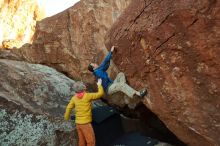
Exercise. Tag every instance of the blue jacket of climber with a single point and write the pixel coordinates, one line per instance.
(119, 84)
(101, 71)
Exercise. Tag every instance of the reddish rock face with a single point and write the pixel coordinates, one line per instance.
(18, 21)
(70, 40)
(172, 47)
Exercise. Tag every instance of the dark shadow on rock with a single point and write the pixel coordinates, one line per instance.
(147, 123)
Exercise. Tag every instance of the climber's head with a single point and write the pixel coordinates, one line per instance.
(92, 67)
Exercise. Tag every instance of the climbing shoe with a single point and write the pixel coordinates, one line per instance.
(143, 93)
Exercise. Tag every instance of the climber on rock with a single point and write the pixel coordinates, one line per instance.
(83, 112)
(119, 84)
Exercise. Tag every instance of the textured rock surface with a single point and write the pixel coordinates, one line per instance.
(17, 21)
(70, 40)
(32, 103)
(173, 49)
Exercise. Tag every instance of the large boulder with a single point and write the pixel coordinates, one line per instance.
(32, 104)
(70, 40)
(172, 47)
(17, 22)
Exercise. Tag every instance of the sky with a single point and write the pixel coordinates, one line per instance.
(53, 7)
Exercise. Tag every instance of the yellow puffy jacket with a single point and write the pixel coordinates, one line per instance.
(83, 107)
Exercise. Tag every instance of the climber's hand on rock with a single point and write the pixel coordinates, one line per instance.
(113, 48)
